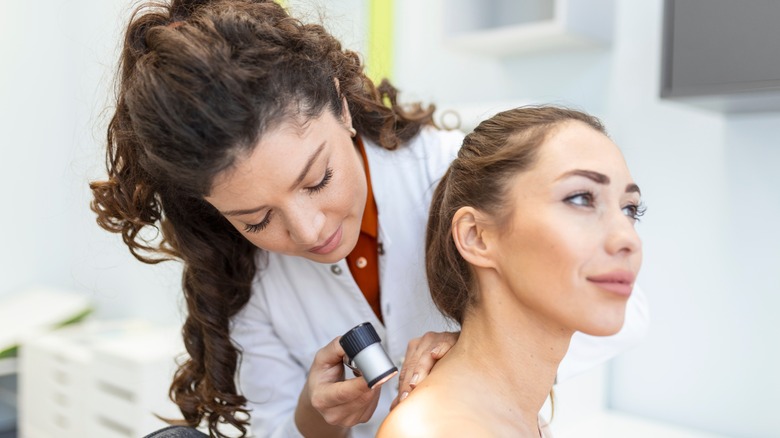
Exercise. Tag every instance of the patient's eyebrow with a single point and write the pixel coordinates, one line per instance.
(597, 177)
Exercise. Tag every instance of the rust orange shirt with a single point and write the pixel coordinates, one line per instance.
(363, 261)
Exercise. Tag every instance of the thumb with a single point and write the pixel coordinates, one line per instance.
(329, 355)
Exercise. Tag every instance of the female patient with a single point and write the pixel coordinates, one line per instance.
(530, 238)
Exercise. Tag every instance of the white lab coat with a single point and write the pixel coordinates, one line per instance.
(298, 306)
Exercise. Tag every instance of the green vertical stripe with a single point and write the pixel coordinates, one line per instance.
(379, 59)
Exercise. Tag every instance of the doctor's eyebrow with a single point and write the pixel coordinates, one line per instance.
(242, 212)
(308, 165)
(598, 178)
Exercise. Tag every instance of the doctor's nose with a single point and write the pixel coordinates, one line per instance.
(304, 227)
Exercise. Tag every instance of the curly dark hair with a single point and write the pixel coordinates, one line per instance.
(199, 83)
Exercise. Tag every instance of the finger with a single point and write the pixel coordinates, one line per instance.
(347, 403)
(425, 365)
(328, 364)
(370, 406)
(440, 350)
(329, 355)
(410, 359)
(333, 397)
(348, 391)
(420, 371)
(398, 399)
(326, 369)
(449, 340)
(412, 363)
(395, 401)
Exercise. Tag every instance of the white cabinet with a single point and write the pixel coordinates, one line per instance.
(722, 55)
(509, 27)
(105, 379)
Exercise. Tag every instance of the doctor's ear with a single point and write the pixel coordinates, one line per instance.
(346, 115)
(472, 236)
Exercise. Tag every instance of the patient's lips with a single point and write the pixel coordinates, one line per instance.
(619, 282)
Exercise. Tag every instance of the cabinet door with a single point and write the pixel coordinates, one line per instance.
(722, 54)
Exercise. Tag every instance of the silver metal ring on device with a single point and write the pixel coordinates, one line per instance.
(375, 364)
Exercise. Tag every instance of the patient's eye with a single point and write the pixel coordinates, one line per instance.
(582, 199)
(634, 211)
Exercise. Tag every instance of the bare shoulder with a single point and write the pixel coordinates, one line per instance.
(431, 415)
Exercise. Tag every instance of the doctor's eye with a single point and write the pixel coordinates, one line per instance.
(254, 228)
(325, 180)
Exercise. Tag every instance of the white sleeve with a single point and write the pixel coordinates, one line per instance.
(586, 352)
(269, 377)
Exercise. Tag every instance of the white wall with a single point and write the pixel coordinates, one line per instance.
(712, 249)
(57, 59)
(712, 246)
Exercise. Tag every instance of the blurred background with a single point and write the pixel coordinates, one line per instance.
(705, 154)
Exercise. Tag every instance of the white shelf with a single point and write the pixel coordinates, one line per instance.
(510, 27)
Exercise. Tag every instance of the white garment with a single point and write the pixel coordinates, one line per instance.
(298, 306)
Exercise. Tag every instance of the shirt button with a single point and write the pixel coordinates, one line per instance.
(361, 262)
(335, 269)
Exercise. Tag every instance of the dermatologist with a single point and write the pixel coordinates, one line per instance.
(295, 193)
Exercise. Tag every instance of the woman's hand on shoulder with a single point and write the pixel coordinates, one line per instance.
(328, 401)
(421, 355)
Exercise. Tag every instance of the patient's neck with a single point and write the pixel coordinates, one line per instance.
(511, 352)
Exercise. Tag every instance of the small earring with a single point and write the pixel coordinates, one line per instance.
(352, 132)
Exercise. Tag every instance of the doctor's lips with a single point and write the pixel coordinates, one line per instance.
(618, 282)
(329, 245)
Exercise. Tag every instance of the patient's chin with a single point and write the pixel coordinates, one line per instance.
(606, 325)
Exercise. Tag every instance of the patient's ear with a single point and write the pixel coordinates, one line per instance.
(472, 237)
